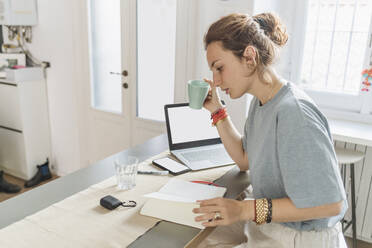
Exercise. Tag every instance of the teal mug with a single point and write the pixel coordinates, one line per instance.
(198, 91)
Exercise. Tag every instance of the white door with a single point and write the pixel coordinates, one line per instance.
(132, 46)
(156, 22)
(110, 78)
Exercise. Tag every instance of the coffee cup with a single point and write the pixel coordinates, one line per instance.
(198, 91)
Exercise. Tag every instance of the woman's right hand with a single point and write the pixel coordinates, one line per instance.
(213, 101)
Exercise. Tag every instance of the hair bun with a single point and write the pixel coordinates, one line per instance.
(273, 27)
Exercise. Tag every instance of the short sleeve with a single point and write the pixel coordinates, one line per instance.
(309, 166)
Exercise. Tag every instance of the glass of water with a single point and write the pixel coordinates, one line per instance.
(126, 171)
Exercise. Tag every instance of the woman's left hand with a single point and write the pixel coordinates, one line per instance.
(228, 212)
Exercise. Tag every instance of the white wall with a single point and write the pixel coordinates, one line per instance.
(54, 41)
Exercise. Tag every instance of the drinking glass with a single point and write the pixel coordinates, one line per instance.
(126, 171)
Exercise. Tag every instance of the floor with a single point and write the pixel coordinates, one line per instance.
(360, 244)
(20, 182)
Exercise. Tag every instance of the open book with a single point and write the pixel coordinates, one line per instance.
(176, 199)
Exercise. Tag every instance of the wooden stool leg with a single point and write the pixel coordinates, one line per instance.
(353, 204)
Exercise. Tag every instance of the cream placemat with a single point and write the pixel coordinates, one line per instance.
(79, 220)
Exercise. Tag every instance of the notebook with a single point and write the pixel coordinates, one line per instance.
(192, 139)
(175, 201)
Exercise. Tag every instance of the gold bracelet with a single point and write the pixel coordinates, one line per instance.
(262, 210)
(259, 211)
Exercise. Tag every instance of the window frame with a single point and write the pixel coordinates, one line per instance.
(339, 105)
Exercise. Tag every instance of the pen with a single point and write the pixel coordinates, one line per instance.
(160, 173)
(208, 183)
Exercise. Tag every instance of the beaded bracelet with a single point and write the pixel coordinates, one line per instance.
(217, 111)
(220, 120)
(218, 116)
(270, 210)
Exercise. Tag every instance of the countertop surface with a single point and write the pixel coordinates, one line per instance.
(352, 132)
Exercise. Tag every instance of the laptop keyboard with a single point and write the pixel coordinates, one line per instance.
(214, 155)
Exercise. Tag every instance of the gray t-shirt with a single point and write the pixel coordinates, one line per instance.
(290, 153)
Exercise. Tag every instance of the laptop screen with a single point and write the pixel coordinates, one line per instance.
(189, 127)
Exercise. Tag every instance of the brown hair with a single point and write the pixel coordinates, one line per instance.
(264, 32)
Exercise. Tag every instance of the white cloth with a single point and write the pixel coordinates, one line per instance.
(273, 235)
(279, 236)
(225, 237)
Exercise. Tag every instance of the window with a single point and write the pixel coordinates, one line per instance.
(335, 50)
(105, 54)
(156, 44)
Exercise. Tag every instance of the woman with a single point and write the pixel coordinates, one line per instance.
(287, 144)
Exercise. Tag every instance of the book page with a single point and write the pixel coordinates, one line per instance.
(161, 196)
(184, 191)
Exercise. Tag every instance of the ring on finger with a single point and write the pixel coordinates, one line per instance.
(217, 216)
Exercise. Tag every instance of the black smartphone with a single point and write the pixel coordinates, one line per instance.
(174, 167)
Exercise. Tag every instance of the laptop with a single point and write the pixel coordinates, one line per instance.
(192, 139)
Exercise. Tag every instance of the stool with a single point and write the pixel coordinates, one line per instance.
(349, 157)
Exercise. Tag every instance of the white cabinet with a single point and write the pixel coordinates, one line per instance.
(24, 127)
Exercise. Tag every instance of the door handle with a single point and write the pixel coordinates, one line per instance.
(123, 73)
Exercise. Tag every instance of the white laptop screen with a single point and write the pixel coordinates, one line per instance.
(188, 125)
